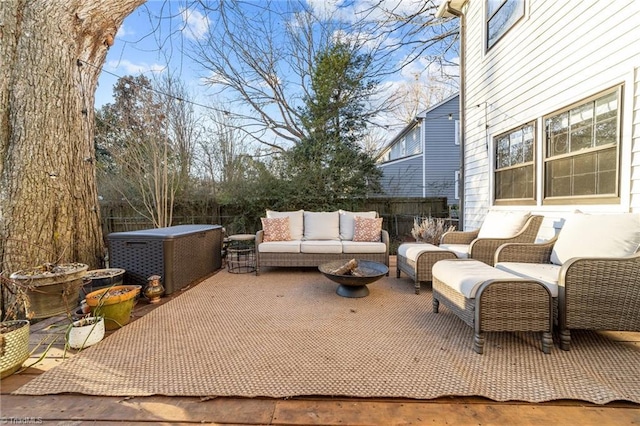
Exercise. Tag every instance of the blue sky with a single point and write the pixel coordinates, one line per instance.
(147, 44)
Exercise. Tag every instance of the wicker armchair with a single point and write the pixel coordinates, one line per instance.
(484, 249)
(594, 293)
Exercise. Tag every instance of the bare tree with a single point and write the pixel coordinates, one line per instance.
(221, 150)
(52, 51)
(413, 26)
(149, 134)
(261, 56)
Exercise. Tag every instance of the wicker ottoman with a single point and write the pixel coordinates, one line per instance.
(417, 259)
(489, 299)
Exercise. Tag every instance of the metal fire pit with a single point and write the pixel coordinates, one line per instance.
(350, 285)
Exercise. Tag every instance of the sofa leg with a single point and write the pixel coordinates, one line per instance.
(417, 286)
(435, 305)
(478, 342)
(397, 272)
(547, 342)
(565, 339)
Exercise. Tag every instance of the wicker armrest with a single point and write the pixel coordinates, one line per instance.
(259, 237)
(525, 253)
(459, 237)
(598, 294)
(385, 238)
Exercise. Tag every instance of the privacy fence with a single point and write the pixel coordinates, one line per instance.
(398, 214)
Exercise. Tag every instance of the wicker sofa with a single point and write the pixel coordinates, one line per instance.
(592, 266)
(319, 237)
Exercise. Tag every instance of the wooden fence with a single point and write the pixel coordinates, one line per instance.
(398, 215)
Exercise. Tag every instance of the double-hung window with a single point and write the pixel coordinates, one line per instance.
(582, 150)
(501, 16)
(514, 165)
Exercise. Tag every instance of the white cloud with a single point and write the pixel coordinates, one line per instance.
(136, 68)
(123, 32)
(196, 25)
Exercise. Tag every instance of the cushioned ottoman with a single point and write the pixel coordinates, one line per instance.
(417, 259)
(489, 299)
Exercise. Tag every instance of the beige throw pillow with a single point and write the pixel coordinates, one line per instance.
(503, 224)
(597, 235)
(295, 221)
(321, 226)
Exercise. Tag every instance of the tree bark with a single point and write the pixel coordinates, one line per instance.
(51, 53)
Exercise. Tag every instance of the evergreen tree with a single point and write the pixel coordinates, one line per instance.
(329, 164)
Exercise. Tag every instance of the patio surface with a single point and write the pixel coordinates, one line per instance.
(78, 409)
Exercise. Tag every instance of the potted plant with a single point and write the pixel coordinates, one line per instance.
(14, 332)
(52, 289)
(97, 279)
(114, 304)
(85, 332)
(430, 230)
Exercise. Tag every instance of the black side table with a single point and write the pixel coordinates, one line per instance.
(241, 254)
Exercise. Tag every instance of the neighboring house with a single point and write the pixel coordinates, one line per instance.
(550, 107)
(423, 160)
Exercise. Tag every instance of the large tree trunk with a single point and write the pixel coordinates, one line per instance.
(51, 52)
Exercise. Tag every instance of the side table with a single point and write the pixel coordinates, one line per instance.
(241, 253)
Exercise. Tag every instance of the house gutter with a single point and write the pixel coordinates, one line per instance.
(447, 10)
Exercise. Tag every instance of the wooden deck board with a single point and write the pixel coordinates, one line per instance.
(47, 337)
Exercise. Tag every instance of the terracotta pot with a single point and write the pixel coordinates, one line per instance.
(114, 304)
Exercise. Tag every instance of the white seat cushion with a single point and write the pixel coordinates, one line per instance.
(465, 276)
(321, 246)
(461, 250)
(502, 224)
(347, 222)
(363, 247)
(412, 250)
(601, 235)
(547, 274)
(321, 226)
(292, 246)
(295, 222)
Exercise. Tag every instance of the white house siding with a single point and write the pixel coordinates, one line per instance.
(561, 52)
(635, 150)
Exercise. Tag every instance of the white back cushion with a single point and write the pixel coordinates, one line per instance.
(502, 224)
(321, 226)
(598, 235)
(295, 222)
(347, 222)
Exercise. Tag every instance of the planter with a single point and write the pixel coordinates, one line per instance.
(14, 346)
(114, 304)
(101, 278)
(51, 289)
(85, 332)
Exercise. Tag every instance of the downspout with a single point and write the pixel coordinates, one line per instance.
(461, 16)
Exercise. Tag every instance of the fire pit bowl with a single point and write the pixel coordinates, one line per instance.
(351, 285)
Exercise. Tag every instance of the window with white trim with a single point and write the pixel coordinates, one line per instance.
(501, 16)
(582, 153)
(514, 164)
